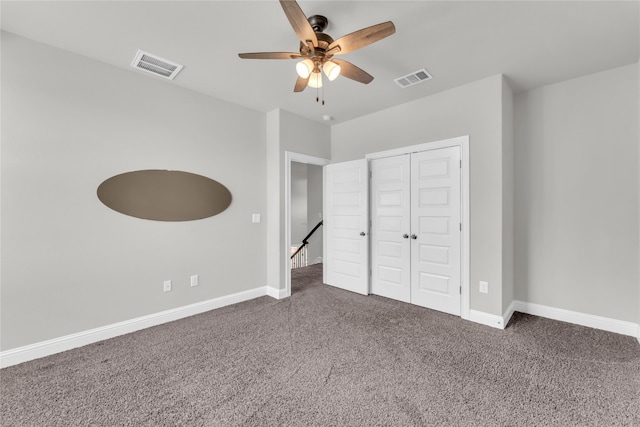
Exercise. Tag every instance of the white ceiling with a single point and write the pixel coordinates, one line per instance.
(533, 43)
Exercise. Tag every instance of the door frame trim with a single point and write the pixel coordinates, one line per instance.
(463, 143)
(290, 156)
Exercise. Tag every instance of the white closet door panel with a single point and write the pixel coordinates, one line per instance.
(345, 226)
(435, 224)
(390, 205)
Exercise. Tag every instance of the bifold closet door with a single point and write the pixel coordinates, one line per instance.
(415, 229)
(436, 228)
(390, 227)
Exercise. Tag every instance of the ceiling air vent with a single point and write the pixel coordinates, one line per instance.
(413, 78)
(155, 65)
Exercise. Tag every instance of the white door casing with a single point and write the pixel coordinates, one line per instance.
(436, 229)
(346, 207)
(391, 227)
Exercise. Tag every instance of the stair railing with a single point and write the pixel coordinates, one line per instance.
(297, 262)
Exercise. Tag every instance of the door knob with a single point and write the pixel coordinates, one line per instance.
(414, 237)
(362, 233)
(405, 236)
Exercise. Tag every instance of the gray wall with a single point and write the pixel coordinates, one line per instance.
(475, 110)
(299, 227)
(69, 263)
(508, 184)
(286, 132)
(314, 210)
(577, 194)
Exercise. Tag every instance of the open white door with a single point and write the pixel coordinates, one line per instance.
(346, 239)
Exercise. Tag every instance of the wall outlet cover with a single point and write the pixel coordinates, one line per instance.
(166, 285)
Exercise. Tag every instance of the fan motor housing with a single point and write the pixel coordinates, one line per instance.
(324, 40)
(318, 23)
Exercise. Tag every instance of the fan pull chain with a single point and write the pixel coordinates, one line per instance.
(318, 95)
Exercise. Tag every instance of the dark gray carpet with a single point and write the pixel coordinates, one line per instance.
(326, 357)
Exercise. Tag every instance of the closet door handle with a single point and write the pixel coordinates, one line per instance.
(414, 237)
(362, 233)
(405, 236)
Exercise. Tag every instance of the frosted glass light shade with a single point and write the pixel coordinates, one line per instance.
(304, 68)
(315, 80)
(331, 69)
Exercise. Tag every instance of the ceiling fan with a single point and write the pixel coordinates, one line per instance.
(317, 49)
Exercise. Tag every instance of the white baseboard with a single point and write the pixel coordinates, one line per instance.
(276, 293)
(590, 320)
(68, 342)
(583, 319)
(486, 319)
(508, 313)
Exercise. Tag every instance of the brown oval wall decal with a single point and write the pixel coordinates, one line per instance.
(164, 195)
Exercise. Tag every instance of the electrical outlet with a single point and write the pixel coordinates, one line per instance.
(194, 280)
(255, 218)
(484, 287)
(167, 285)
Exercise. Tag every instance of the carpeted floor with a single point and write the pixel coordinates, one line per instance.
(327, 357)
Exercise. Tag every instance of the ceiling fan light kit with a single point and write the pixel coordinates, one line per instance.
(317, 48)
(331, 69)
(304, 68)
(315, 80)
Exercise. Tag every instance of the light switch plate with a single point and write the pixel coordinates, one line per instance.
(484, 287)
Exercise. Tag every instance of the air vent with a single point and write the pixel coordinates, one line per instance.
(413, 78)
(154, 64)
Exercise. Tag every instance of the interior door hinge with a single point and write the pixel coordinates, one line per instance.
(460, 226)
(460, 290)
(460, 164)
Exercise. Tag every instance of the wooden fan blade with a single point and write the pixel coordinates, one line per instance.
(270, 55)
(299, 22)
(301, 84)
(361, 38)
(350, 71)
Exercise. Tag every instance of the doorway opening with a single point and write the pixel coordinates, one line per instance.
(306, 215)
(303, 214)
